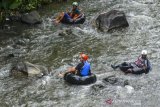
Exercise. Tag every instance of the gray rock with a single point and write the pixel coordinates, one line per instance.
(110, 20)
(65, 32)
(113, 80)
(97, 87)
(15, 17)
(110, 79)
(28, 69)
(31, 18)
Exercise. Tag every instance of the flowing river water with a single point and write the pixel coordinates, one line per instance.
(58, 46)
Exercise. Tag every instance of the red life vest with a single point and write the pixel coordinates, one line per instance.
(140, 62)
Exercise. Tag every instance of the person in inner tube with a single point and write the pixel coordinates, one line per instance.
(69, 16)
(141, 64)
(82, 69)
(63, 17)
(75, 12)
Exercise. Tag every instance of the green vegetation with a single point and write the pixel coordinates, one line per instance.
(22, 4)
(14, 7)
(11, 7)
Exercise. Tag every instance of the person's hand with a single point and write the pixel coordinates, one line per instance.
(69, 69)
(144, 67)
(56, 22)
(61, 75)
(53, 20)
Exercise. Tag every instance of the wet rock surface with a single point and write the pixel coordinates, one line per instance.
(110, 20)
(31, 18)
(28, 69)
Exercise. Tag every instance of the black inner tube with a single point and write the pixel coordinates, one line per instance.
(78, 80)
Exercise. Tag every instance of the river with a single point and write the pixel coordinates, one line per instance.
(58, 46)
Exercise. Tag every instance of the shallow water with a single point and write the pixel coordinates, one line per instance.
(58, 47)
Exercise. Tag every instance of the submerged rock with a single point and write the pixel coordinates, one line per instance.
(110, 79)
(113, 80)
(110, 20)
(65, 32)
(97, 87)
(28, 69)
(15, 17)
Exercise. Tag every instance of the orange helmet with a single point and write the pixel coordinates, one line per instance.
(84, 56)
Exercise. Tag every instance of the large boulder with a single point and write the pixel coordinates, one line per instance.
(110, 20)
(28, 69)
(31, 18)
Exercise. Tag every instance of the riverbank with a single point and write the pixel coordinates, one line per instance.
(14, 9)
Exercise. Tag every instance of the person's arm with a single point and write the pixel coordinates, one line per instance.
(149, 67)
(76, 17)
(69, 11)
(144, 64)
(77, 14)
(75, 70)
(78, 68)
(72, 69)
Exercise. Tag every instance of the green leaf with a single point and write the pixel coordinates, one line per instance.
(4, 5)
(14, 5)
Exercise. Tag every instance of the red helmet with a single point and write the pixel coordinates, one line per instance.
(84, 56)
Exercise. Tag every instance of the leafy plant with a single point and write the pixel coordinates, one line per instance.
(7, 7)
(15, 4)
(10, 4)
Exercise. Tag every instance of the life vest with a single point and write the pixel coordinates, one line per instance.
(85, 71)
(141, 62)
(75, 13)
